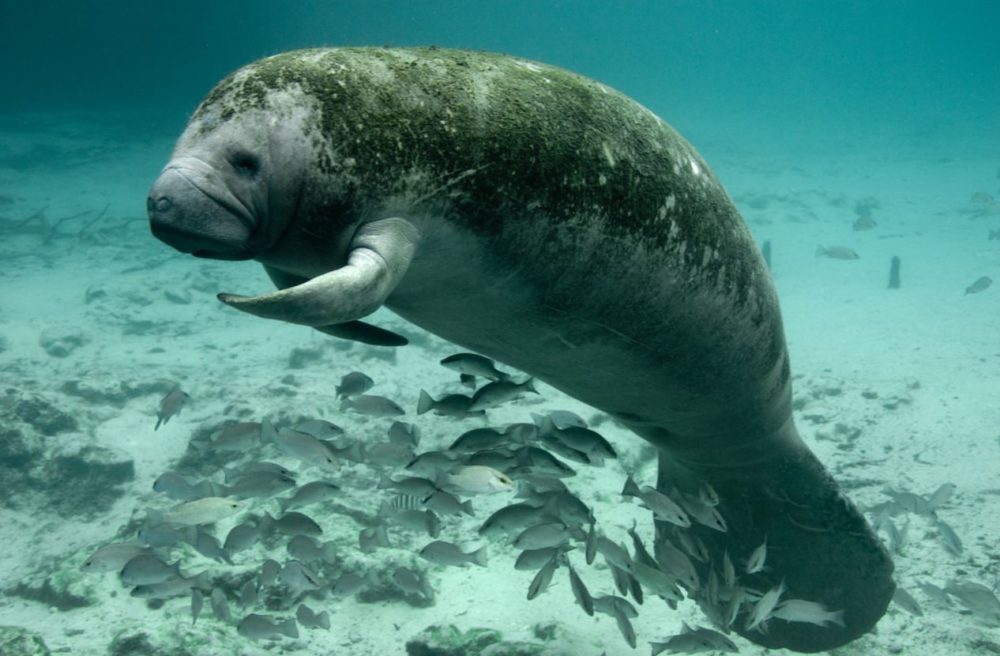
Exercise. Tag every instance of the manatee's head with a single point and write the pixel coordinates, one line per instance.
(231, 186)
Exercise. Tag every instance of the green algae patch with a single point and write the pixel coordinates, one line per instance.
(18, 641)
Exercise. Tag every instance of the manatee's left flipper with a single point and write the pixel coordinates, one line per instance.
(378, 256)
(366, 333)
(356, 331)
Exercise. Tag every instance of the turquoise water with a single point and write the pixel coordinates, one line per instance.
(846, 134)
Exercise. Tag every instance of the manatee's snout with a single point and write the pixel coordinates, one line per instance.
(191, 209)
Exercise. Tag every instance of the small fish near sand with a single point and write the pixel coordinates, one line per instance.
(171, 404)
(837, 253)
(472, 364)
(864, 222)
(982, 284)
(353, 384)
(373, 406)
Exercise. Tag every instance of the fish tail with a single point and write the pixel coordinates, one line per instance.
(268, 433)
(529, 385)
(289, 628)
(631, 489)
(159, 420)
(480, 556)
(425, 403)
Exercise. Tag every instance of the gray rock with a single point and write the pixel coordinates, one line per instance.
(18, 641)
(61, 341)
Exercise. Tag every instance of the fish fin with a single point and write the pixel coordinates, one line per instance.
(480, 556)
(365, 333)
(268, 433)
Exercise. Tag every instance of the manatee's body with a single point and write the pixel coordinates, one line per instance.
(549, 222)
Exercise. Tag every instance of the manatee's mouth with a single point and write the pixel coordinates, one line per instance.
(191, 208)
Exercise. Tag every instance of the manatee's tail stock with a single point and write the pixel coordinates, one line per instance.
(818, 544)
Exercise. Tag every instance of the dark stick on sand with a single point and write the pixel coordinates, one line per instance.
(894, 273)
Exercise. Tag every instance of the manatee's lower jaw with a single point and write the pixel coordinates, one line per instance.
(185, 216)
(818, 544)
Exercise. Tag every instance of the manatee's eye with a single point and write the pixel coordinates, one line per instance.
(245, 164)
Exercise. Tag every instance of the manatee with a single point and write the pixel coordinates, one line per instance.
(547, 221)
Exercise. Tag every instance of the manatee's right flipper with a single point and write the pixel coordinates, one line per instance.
(818, 544)
(366, 333)
(378, 256)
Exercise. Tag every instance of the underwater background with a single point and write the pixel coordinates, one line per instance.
(847, 133)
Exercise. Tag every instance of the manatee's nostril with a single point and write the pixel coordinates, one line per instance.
(163, 204)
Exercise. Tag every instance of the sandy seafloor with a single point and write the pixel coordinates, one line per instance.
(927, 355)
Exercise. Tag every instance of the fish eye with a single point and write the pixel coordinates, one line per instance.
(245, 164)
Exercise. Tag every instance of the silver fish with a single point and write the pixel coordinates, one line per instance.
(566, 419)
(568, 508)
(310, 493)
(401, 432)
(580, 592)
(373, 406)
(260, 484)
(306, 448)
(176, 587)
(299, 577)
(411, 582)
(905, 600)
(540, 536)
(249, 593)
(764, 608)
(161, 536)
(810, 612)
(295, 523)
(307, 549)
(220, 605)
(533, 559)
(507, 520)
(177, 487)
(430, 462)
(693, 641)
(977, 598)
(981, 285)
(200, 511)
(232, 475)
(450, 405)
(353, 384)
(418, 520)
(655, 581)
(448, 504)
(757, 559)
(498, 392)
(479, 439)
(476, 480)
(170, 406)
(614, 554)
(941, 496)
(948, 537)
(264, 627)
(936, 594)
(146, 569)
(582, 439)
(446, 553)
(348, 583)
(320, 429)
(240, 436)
(241, 537)
(372, 538)
(624, 625)
(472, 364)
(543, 578)
(208, 546)
(310, 619)
(607, 603)
(414, 486)
(836, 253)
(540, 461)
(112, 557)
(197, 603)
(269, 571)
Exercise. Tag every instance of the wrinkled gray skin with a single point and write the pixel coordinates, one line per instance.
(549, 222)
